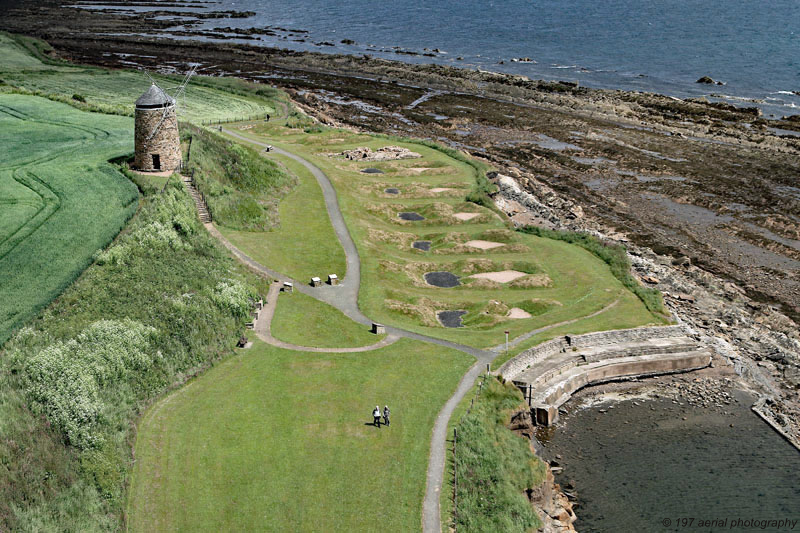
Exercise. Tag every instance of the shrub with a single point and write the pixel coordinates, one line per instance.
(158, 306)
(79, 98)
(64, 379)
(234, 297)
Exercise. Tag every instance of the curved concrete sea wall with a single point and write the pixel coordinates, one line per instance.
(513, 367)
(560, 386)
(548, 374)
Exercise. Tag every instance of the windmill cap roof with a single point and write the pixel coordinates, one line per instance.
(155, 97)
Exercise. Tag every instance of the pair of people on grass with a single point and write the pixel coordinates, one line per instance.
(376, 416)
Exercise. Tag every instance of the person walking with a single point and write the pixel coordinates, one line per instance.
(386, 414)
(376, 416)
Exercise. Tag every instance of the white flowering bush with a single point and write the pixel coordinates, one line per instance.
(65, 379)
(157, 234)
(233, 296)
(115, 255)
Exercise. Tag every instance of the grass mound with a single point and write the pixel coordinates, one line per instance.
(316, 253)
(614, 256)
(242, 188)
(494, 466)
(304, 321)
(157, 306)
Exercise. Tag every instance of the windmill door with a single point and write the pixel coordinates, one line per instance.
(157, 161)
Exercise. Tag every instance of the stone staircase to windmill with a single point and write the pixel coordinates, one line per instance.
(199, 198)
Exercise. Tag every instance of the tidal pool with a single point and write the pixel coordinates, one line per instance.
(635, 464)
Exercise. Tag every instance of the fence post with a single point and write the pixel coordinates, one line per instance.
(455, 481)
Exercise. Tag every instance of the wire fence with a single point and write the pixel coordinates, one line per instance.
(242, 118)
(455, 446)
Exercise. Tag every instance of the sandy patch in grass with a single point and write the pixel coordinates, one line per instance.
(484, 245)
(441, 189)
(516, 312)
(504, 276)
(466, 216)
(417, 170)
(532, 281)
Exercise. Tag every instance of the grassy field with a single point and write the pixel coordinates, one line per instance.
(59, 199)
(274, 440)
(158, 306)
(207, 99)
(304, 243)
(322, 325)
(494, 467)
(562, 282)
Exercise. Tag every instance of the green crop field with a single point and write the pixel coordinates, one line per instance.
(278, 440)
(561, 282)
(60, 201)
(206, 99)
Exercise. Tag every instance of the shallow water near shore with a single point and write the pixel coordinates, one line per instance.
(638, 463)
(624, 44)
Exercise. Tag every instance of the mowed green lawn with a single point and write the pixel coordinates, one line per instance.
(276, 440)
(60, 200)
(321, 325)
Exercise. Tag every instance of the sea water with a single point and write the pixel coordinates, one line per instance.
(664, 46)
(656, 465)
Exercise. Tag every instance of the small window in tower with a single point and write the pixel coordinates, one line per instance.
(156, 161)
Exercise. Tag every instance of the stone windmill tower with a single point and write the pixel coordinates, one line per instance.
(156, 139)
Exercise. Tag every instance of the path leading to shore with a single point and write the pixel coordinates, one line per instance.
(344, 297)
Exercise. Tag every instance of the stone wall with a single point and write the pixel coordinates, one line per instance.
(513, 367)
(516, 365)
(546, 404)
(602, 338)
(165, 143)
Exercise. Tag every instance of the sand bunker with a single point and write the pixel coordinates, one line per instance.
(391, 190)
(411, 216)
(422, 245)
(451, 319)
(516, 312)
(416, 170)
(484, 245)
(444, 280)
(504, 276)
(466, 216)
(441, 189)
